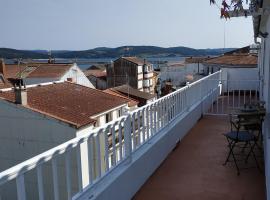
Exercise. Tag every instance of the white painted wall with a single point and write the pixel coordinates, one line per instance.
(192, 68)
(240, 78)
(140, 76)
(178, 74)
(76, 73)
(175, 74)
(24, 134)
(140, 84)
(264, 58)
(140, 68)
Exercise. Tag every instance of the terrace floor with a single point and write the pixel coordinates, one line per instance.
(194, 169)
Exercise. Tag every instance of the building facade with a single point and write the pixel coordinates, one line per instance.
(97, 77)
(236, 68)
(132, 71)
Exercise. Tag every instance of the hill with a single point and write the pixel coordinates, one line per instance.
(104, 52)
(14, 53)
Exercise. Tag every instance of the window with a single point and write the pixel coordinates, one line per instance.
(139, 69)
(108, 117)
(119, 113)
(140, 84)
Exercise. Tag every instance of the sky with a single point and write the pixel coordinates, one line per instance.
(86, 24)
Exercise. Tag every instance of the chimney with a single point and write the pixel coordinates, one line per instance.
(20, 95)
(2, 67)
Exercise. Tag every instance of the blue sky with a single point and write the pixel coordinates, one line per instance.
(85, 24)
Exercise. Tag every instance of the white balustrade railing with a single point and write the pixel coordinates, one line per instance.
(234, 94)
(107, 147)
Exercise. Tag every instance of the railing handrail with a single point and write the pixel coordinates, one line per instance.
(204, 78)
(47, 156)
(177, 91)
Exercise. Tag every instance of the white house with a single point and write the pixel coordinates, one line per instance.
(39, 118)
(35, 73)
(179, 73)
(194, 65)
(238, 71)
(175, 72)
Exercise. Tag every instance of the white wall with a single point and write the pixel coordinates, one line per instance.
(140, 69)
(240, 78)
(175, 74)
(192, 68)
(24, 134)
(78, 76)
(265, 62)
(178, 74)
(140, 84)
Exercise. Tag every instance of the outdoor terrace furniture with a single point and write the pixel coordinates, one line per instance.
(246, 131)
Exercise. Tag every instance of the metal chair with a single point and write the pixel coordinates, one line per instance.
(242, 138)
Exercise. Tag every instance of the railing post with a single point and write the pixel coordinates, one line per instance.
(40, 183)
(20, 187)
(201, 97)
(127, 138)
(187, 96)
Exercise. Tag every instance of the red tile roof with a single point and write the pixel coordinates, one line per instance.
(68, 102)
(136, 60)
(4, 83)
(196, 59)
(13, 71)
(37, 70)
(235, 60)
(50, 71)
(176, 65)
(97, 73)
(131, 103)
(127, 90)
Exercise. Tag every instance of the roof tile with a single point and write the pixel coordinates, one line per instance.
(68, 102)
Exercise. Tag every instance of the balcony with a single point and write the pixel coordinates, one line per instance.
(194, 169)
(114, 161)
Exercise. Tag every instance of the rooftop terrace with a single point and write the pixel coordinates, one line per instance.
(194, 169)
